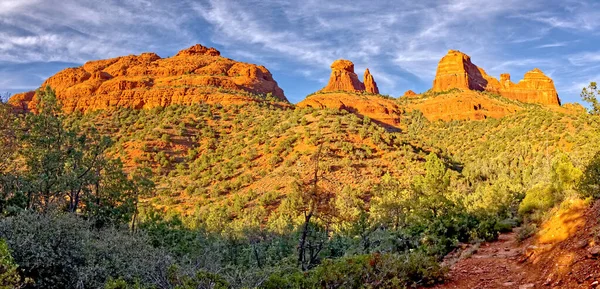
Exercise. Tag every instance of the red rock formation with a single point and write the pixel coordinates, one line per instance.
(535, 87)
(466, 105)
(194, 75)
(345, 91)
(375, 107)
(370, 84)
(343, 78)
(410, 94)
(456, 70)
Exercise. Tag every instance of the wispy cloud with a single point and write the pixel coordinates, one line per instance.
(401, 41)
(552, 45)
(584, 58)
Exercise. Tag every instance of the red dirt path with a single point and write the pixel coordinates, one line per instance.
(564, 254)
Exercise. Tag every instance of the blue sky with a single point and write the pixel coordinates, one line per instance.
(400, 41)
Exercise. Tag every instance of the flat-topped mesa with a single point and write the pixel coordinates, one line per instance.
(195, 75)
(456, 70)
(370, 84)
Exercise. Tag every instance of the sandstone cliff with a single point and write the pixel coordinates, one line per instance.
(456, 70)
(465, 105)
(345, 91)
(194, 75)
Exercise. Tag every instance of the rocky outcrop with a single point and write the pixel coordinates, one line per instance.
(377, 108)
(370, 84)
(535, 87)
(410, 94)
(456, 70)
(465, 105)
(345, 91)
(343, 78)
(195, 75)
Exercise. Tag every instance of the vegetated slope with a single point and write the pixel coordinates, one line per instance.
(252, 154)
(518, 148)
(564, 254)
(248, 157)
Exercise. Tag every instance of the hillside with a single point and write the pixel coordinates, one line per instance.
(210, 176)
(202, 154)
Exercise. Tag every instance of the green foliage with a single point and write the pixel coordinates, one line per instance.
(538, 198)
(590, 94)
(417, 122)
(379, 211)
(63, 251)
(564, 176)
(364, 271)
(9, 277)
(590, 182)
(199, 280)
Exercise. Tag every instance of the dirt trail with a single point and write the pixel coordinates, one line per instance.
(564, 254)
(494, 265)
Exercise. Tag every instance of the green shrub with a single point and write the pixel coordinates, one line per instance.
(9, 277)
(364, 271)
(65, 251)
(538, 198)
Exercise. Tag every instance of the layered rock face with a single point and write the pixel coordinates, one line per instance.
(345, 91)
(195, 75)
(465, 105)
(535, 87)
(377, 108)
(343, 78)
(456, 70)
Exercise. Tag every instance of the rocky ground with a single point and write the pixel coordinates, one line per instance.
(564, 254)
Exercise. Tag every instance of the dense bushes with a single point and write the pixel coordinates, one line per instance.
(590, 182)
(364, 271)
(65, 251)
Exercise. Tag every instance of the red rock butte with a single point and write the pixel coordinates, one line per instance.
(345, 91)
(456, 70)
(343, 78)
(194, 75)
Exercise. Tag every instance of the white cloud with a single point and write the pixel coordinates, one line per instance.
(584, 58)
(400, 41)
(552, 45)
